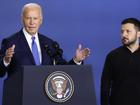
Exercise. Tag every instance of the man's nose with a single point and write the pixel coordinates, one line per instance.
(31, 21)
(124, 34)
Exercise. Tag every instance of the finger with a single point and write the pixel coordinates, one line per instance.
(86, 52)
(13, 46)
(11, 49)
(9, 56)
(9, 52)
(79, 46)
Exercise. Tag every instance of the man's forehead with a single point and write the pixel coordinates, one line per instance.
(128, 25)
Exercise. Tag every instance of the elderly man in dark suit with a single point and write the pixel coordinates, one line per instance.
(28, 47)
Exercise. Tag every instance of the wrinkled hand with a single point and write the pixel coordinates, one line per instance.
(9, 54)
(81, 54)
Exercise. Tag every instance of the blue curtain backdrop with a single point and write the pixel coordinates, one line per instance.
(93, 23)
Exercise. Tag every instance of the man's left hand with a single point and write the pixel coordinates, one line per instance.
(81, 54)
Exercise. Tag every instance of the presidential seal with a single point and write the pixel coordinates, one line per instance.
(59, 86)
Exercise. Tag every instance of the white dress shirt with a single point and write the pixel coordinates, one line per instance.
(29, 40)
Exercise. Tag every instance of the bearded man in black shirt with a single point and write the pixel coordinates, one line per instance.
(120, 81)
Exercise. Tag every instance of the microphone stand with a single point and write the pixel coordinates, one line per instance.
(49, 52)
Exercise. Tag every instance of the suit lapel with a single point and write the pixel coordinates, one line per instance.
(46, 60)
(26, 46)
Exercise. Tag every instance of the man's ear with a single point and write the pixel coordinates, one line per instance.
(138, 34)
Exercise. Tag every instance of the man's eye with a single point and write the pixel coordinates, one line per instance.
(27, 17)
(128, 31)
(35, 18)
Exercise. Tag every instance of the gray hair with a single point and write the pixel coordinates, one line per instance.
(29, 5)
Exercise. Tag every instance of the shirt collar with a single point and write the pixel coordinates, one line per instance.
(138, 50)
(29, 36)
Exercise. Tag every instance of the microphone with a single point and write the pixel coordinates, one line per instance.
(58, 50)
(48, 51)
(54, 54)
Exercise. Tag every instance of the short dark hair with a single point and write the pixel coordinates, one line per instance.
(134, 21)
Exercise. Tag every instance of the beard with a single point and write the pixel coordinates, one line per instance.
(127, 42)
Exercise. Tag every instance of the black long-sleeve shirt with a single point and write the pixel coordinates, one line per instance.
(120, 82)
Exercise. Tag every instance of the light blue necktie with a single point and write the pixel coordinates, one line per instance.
(35, 52)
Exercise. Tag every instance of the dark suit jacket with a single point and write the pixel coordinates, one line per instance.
(23, 54)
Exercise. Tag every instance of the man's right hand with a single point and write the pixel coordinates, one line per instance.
(9, 54)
